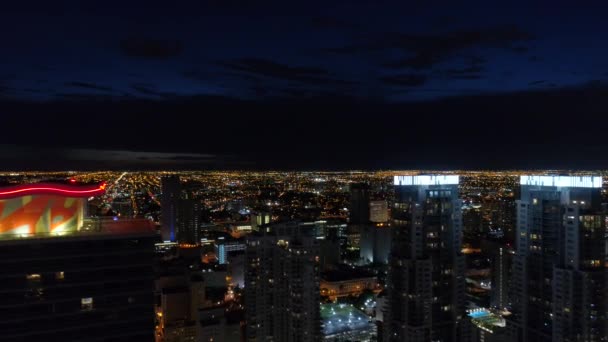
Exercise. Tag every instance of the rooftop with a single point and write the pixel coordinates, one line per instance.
(486, 319)
(562, 181)
(426, 180)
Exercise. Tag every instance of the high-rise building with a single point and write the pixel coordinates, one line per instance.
(177, 307)
(224, 245)
(560, 273)
(66, 277)
(189, 213)
(259, 218)
(426, 268)
(170, 196)
(501, 257)
(282, 284)
(359, 203)
(375, 243)
(378, 211)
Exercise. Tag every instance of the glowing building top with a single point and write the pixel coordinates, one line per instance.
(47, 209)
(563, 181)
(426, 180)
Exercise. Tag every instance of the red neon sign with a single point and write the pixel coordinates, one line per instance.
(52, 189)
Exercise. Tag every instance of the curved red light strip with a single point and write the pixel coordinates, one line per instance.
(52, 189)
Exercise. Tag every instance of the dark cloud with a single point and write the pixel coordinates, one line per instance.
(267, 68)
(34, 91)
(151, 48)
(332, 23)
(206, 76)
(520, 49)
(537, 82)
(466, 77)
(408, 80)
(89, 86)
(430, 50)
(149, 90)
(535, 59)
(92, 98)
(427, 50)
(472, 72)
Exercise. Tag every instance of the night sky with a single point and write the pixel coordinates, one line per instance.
(304, 85)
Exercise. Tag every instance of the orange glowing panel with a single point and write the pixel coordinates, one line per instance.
(27, 210)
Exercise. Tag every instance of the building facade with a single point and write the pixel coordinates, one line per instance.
(282, 284)
(189, 213)
(559, 274)
(170, 196)
(425, 287)
(375, 243)
(68, 278)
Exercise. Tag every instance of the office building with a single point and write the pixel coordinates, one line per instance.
(224, 245)
(378, 211)
(170, 196)
(330, 253)
(184, 313)
(359, 203)
(501, 257)
(66, 277)
(425, 284)
(282, 284)
(375, 243)
(259, 218)
(559, 274)
(346, 281)
(189, 213)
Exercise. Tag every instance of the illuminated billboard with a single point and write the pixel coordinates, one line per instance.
(43, 208)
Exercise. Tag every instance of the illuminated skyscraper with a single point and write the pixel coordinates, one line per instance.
(560, 275)
(501, 257)
(171, 192)
(378, 211)
(282, 284)
(66, 277)
(426, 268)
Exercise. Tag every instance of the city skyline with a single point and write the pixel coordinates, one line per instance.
(304, 171)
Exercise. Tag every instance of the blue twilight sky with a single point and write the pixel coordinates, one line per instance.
(304, 84)
(394, 51)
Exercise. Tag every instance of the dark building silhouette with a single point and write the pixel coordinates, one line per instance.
(189, 213)
(96, 284)
(359, 203)
(170, 196)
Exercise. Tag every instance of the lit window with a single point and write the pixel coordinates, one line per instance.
(59, 275)
(86, 303)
